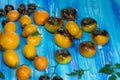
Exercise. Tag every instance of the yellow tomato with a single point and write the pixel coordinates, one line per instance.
(25, 20)
(79, 35)
(10, 27)
(23, 72)
(72, 27)
(9, 40)
(29, 29)
(10, 58)
(62, 41)
(34, 39)
(29, 51)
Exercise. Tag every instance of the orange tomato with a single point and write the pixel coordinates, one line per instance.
(25, 20)
(23, 72)
(10, 27)
(40, 62)
(40, 17)
(13, 15)
(9, 40)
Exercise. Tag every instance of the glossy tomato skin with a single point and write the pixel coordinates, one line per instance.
(40, 17)
(100, 36)
(44, 77)
(88, 24)
(62, 38)
(53, 24)
(72, 27)
(63, 56)
(23, 72)
(87, 49)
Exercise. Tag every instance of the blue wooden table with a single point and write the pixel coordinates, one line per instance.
(107, 15)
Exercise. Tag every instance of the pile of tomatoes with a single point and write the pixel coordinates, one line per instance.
(64, 28)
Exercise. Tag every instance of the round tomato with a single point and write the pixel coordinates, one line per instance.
(34, 39)
(10, 27)
(100, 36)
(88, 24)
(29, 51)
(25, 20)
(29, 29)
(40, 62)
(9, 40)
(53, 24)
(13, 15)
(10, 58)
(40, 17)
(23, 72)
(62, 38)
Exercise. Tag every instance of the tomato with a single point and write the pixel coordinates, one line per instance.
(68, 14)
(9, 40)
(13, 15)
(40, 17)
(53, 24)
(34, 39)
(79, 34)
(29, 29)
(29, 51)
(100, 36)
(63, 56)
(40, 62)
(62, 38)
(72, 28)
(88, 24)
(25, 20)
(87, 48)
(10, 27)
(23, 72)
(11, 58)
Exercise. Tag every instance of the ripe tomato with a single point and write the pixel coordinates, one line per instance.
(0, 33)
(10, 27)
(10, 58)
(72, 28)
(34, 39)
(62, 38)
(100, 36)
(40, 62)
(13, 15)
(53, 24)
(25, 20)
(29, 51)
(87, 49)
(9, 40)
(23, 72)
(40, 17)
(29, 29)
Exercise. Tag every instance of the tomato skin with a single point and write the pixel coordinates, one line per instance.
(72, 28)
(25, 20)
(40, 17)
(13, 15)
(100, 36)
(29, 29)
(53, 24)
(23, 72)
(62, 41)
(10, 27)
(11, 58)
(9, 40)
(40, 62)
(87, 49)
